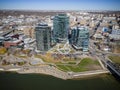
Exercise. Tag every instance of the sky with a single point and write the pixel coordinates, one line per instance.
(60, 4)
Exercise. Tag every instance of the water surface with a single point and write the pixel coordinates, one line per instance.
(14, 81)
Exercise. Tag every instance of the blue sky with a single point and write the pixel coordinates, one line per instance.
(61, 4)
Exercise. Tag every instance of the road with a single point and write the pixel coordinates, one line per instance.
(95, 72)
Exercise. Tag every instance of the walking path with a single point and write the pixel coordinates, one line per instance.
(95, 72)
(101, 63)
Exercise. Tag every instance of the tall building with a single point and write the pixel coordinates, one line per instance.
(80, 38)
(43, 37)
(60, 27)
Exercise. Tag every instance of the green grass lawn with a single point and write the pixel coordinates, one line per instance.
(71, 63)
(71, 59)
(63, 67)
(85, 65)
(115, 59)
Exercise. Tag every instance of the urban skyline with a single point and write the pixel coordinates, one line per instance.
(59, 49)
(60, 5)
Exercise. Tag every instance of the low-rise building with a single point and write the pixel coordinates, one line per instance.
(115, 34)
(10, 43)
(98, 37)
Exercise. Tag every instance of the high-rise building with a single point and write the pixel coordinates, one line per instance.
(43, 37)
(60, 27)
(80, 38)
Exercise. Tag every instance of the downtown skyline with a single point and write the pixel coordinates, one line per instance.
(60, 4)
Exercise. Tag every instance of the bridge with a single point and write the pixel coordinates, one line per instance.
(113, 67)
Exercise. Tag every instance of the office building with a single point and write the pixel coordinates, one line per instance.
(80, 38)
(43, 37)
(60, 27)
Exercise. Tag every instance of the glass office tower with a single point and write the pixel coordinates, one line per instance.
(60, 27)
(43, 37)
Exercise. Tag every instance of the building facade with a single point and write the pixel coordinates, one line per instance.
(60, 27)
(43, 37)
(115, 35)
(80, 38)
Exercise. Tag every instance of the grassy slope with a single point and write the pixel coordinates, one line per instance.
(85, 65)
(115, 59)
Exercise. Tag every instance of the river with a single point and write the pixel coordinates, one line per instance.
(14, 81)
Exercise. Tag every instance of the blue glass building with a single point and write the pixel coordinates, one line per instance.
(80, 38)
(60, 27)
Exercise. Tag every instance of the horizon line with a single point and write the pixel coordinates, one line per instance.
(62, 9)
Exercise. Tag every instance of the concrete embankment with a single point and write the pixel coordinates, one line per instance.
(48, 70)
(1, 69)
(14, 69)
(60, 74)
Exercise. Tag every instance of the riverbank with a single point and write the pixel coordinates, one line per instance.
(53, 71)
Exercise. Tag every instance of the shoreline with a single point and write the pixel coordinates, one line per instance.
(52, 71)
(75, 78)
